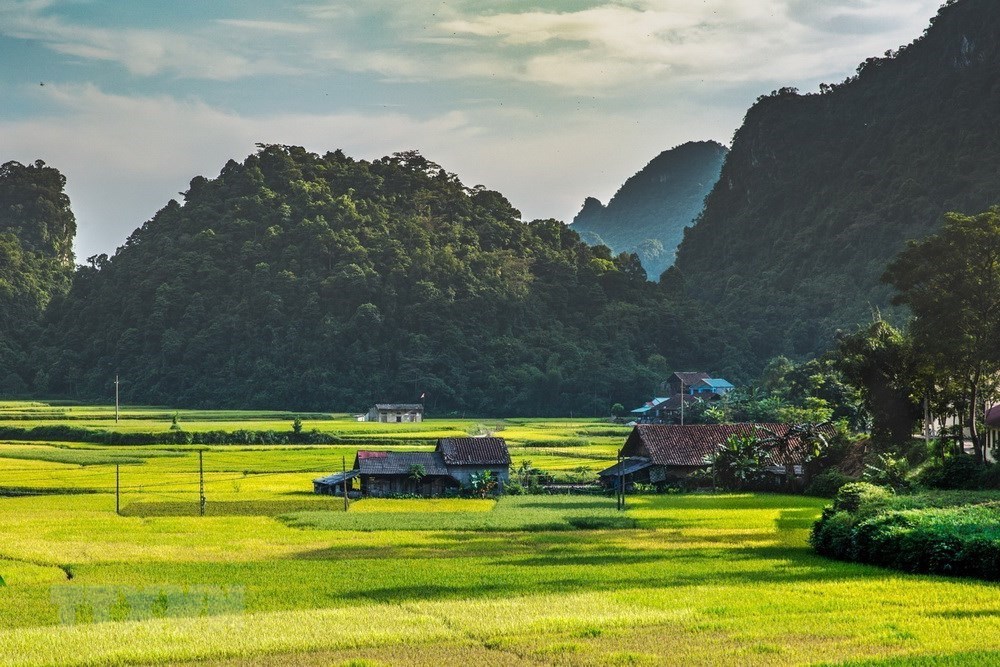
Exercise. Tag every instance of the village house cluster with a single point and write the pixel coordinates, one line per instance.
(684, 391)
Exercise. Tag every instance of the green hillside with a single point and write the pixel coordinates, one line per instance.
(301, 281)
(820, 191)
(649, 213)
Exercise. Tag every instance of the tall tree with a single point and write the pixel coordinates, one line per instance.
(951, 282)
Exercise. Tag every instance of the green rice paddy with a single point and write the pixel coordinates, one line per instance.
(274, 575)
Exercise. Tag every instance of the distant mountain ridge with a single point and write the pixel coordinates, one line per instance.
(820, 191)
(649, 212)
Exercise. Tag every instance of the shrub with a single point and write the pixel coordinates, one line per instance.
(956, 472)
(855, 496)
(827, 483)
(929, 533)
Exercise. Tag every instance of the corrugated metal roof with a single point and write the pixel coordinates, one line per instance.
(717, 383)
(474, 451)
(399, 463)
(337, 477)
(628, 467)
(689, 445)
(399, 406)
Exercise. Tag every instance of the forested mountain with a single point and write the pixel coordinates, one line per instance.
(648, 214)
(820, 191)
(36, 260)
(296, 280)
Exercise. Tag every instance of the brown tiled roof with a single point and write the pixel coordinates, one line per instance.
(474, 451)
(689, 445)
(993, 417)
(399, 463)
(690, 378)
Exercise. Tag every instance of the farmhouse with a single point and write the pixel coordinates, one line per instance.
(451, 465)
(664, 453)
(396, 413)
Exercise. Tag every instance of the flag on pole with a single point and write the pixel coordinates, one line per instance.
(422, 396)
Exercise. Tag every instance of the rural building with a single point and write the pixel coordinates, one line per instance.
(682, 382)
(993, 428)
(449, 467)
(665, 453)
(688, 389)
(396, 413)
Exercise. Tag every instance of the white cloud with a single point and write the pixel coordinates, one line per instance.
(143, 52)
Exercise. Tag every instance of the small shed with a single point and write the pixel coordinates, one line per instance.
(465, 457)
(333, 485)
(384, 473)
(396, 413)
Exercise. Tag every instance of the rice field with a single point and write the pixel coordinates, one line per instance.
(274, 575)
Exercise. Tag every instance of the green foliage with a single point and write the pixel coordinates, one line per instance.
(950, 281)
(317, 281)
(856, 497)
(960, 471)
(882, 363)
(827, 483)
(648, 215)
(741, 463)
(889, 471)
(36, 261)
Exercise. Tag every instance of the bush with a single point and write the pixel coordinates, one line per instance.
(855, 496)
(928, 533)
(513, 488)
(827, 483)
(957, 472)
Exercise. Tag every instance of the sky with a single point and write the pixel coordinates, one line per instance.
(548, 102)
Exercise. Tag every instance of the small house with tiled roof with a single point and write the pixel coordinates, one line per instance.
(664, 453)
(992, 427)
(396, 413)
(450, 466)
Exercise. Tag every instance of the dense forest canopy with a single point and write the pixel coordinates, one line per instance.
(322, 282)
(820, 191)
(36, 260)
(650, 211)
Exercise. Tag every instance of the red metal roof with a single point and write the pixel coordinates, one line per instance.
(474, 451)
(689, 445)
(362, 454)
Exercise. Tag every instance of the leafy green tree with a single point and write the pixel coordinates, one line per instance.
(880, 360)
(950, 281)
(741, 463)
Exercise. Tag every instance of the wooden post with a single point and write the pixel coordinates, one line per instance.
(201, 482)
(343, 483)
(118, 490)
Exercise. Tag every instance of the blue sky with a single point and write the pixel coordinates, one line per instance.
(548, 102)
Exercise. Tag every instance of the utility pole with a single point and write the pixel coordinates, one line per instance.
(682, 402)
(201, 482)
(118, 490)
(116, 397)
(343, 461)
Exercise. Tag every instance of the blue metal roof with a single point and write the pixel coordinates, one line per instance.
(718, 383)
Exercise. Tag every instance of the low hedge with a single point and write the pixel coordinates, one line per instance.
(949, 534)
(63, 433)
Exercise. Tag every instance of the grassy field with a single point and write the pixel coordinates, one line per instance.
(276, 576)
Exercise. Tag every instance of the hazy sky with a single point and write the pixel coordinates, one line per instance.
(546, 101)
